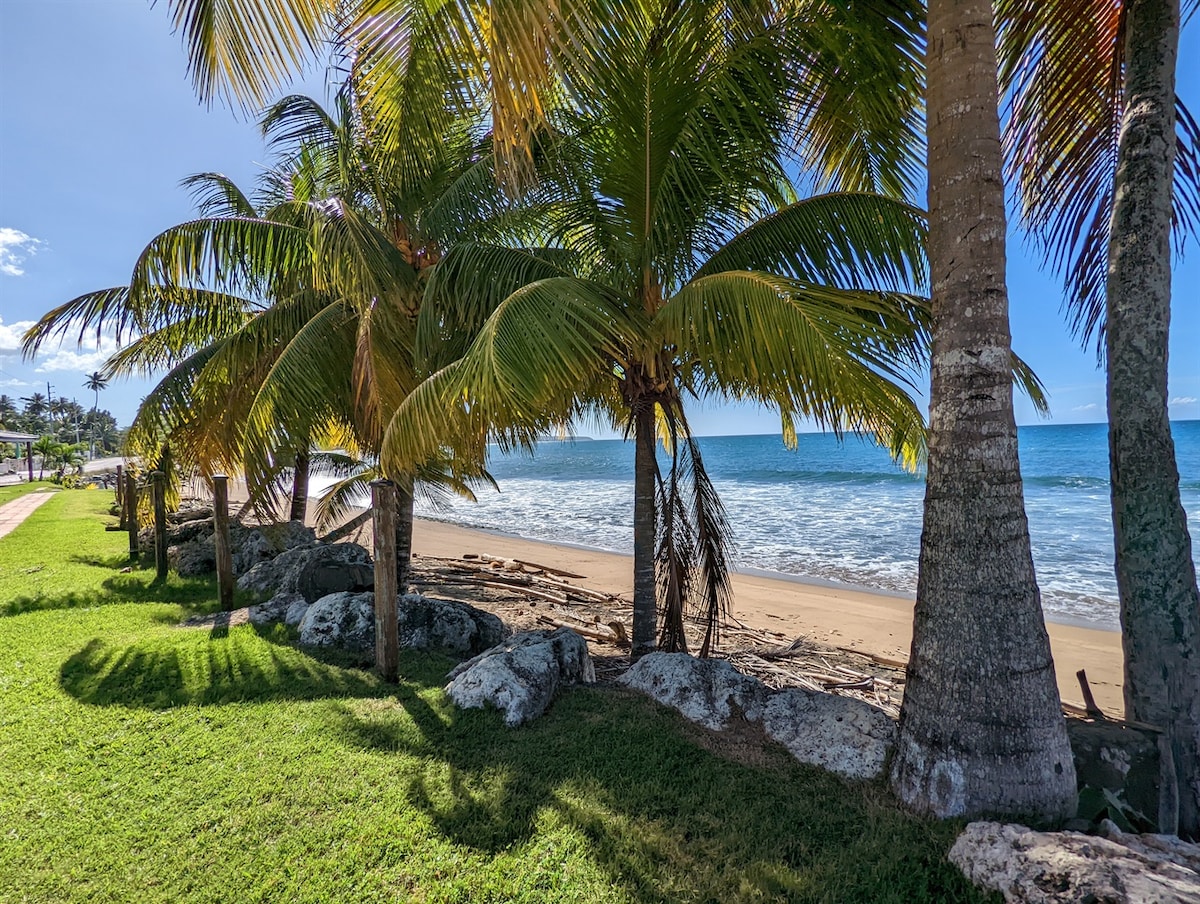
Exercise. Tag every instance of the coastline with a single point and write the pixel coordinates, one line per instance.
(832, 614)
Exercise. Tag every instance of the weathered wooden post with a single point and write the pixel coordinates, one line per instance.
(158, 483)
(131, 521)
(121, 493)
(220, 484)
(387, 632)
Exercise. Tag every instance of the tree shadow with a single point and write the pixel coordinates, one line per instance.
(160, 673)
(193, 593)
(631, 779)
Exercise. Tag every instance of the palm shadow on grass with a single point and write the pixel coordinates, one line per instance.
(632, 779)
(232, 666)
(651, 804)
(197, 594)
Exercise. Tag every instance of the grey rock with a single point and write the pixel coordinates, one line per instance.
(1124, 760)
(344, 620)
(326, 568)
(709, 692)
(427, 623)
(295, 611)
(275, 609)
(840, 734)
(522, 675)
(846, 736)
(261, 543)
(195, 557)
(1066, 867)
(265, 578)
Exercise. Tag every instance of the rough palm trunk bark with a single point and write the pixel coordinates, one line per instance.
(1156, 575)
(645, 614)
(404, 533)
(981, 729)
(299, 510)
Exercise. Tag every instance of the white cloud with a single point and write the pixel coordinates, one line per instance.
(1183, 400)
(1089, 407)
(66, 359)
(10, 335)
(15, 246)
(50, 359)
(14, 383)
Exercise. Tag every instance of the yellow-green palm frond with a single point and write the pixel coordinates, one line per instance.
(216, 195)
(246, 50)
(836, 356)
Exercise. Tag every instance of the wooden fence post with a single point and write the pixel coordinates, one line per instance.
(220, 484)
(121, 493)
(158, 482)
(387, 634)
(131, 521)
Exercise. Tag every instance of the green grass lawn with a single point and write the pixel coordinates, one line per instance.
(141, 761)
(12, 491)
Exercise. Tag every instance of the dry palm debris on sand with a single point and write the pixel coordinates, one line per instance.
(529, 596)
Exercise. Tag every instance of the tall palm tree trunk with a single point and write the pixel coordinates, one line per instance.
(645, 615)
(1156, 576)
(404, 533)
(981, 729)
(299, 510)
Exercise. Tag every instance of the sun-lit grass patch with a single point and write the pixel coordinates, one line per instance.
(142, 761)
(15, 491)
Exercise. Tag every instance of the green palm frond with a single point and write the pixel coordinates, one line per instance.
(467, 286)
(100, 311)
(853, 240)
(246, 256)
(859, 83)
(216, 195)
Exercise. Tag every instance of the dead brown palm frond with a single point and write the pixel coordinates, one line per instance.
(1062, 72)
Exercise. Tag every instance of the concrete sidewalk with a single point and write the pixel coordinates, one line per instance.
(18, 510)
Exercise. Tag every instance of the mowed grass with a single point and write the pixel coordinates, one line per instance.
(15, 490)
(141, 761)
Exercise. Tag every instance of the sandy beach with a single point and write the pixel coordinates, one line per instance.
(838, 616)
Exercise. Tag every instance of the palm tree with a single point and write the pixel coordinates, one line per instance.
(48, 448)
(1101, 199)
(678, 263)
(95, 381)
(981, 728)
(341, 249)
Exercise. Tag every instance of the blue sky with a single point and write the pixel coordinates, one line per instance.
(99, 123)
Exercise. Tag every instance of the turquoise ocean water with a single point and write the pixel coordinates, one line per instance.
(834, 511)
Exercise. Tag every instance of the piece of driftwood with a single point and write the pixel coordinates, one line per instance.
(592, 632)
(1089, 702)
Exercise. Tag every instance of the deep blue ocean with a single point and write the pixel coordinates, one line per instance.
(834, 511)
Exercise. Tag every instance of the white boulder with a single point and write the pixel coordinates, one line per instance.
(522, 675)
(1068, 867)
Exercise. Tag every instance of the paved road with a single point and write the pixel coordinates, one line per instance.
(89, 467)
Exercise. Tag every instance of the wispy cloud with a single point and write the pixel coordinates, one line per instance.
(14, 383)
(1092, 406)
(15, 247)
(10, 334)
(1183, 400)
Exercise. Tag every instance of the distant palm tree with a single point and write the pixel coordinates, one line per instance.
(48, 448)
(95, 382)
